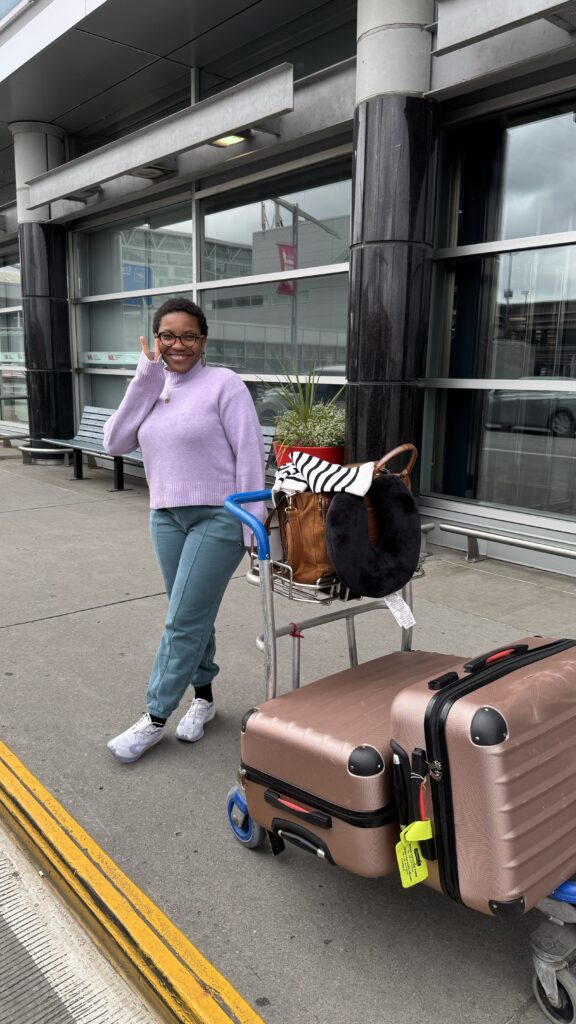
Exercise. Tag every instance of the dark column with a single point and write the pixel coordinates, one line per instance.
(46, 330)
(390, 271)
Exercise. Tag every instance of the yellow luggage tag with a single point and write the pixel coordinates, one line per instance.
(411, 863)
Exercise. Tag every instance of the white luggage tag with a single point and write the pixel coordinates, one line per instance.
(400, 610)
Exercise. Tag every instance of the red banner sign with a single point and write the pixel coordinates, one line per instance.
(287, 256)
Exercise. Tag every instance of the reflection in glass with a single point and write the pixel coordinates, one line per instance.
(512, 316)
(103, 390)
(13, 403)
(263, 328)
(270, 403)
(10, 285)
(538, 181)
(11, 337)
(509, 182)
(309, 228)
(109, 332)
(516, 449)
(6, 6)
(156, 253)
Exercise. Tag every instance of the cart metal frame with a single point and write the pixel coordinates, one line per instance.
(275, 577)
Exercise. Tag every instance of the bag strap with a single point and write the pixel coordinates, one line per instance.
(380, 465)
(267, 526)
(293, 537)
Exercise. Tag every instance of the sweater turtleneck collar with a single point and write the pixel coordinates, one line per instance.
(175, 379)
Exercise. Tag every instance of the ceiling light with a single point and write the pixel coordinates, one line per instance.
(152, 171)
(231, 140)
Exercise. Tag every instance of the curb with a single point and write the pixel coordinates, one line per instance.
(156, 958)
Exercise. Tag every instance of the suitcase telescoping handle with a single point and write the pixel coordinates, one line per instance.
(485, 660)
(401, 777)
(408, 782)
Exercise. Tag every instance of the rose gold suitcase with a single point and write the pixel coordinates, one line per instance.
(488, 752)
(316, 762)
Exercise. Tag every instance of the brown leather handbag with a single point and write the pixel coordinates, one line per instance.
(302, 523)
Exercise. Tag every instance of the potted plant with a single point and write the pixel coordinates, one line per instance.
(307, 424)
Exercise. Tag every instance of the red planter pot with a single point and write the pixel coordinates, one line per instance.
(284, 451)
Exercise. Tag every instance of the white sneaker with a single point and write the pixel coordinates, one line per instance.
(130, 745)
(191, 727)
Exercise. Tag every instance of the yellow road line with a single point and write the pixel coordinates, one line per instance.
(155, 955)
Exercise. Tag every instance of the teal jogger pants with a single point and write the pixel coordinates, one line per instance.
(198, 548)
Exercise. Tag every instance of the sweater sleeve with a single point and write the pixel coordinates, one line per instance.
(144, 390)
(242, 429)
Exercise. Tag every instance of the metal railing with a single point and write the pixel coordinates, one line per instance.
(473, 535)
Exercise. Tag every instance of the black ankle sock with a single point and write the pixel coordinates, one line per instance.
(205, 692)
(156, 720)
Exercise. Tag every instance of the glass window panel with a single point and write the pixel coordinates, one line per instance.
(538, 183)
(296, 324)
(11, 337)
(512, 315)
(153, 252)
(472, 180)
(270, 403)
(8, 5)
(511, 180)
(10, 283)
(305, 228)
(103, 390)
(13, 400)
(109, 332)
(506, 448)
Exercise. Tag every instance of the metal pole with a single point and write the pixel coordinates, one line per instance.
(267, 597)
(352, 646)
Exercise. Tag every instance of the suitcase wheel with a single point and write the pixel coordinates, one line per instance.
(244, 828)
(566, 1009)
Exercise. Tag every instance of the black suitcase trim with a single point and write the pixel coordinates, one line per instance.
(437, 751)
(360, 819)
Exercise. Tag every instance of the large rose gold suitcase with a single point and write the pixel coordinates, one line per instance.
(488, 752)
(316, 762)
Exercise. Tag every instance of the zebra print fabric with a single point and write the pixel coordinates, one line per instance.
(309, 473)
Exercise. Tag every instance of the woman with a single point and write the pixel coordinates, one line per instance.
(199, 434)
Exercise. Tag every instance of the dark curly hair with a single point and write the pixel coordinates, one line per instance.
(180, 305)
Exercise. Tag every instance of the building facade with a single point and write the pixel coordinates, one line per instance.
(380, 191)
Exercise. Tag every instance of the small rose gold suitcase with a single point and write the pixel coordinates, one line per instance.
(487, 750)
(316, 762)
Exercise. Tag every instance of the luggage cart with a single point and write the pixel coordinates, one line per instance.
(275, 577)
(554, 955)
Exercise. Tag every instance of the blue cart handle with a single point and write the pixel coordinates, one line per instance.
(233, 503)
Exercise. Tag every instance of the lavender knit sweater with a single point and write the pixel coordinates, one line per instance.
(198, 432)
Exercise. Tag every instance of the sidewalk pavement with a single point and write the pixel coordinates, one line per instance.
(81, 611)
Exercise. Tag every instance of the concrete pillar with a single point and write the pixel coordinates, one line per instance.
(393, 184)
(37, 148)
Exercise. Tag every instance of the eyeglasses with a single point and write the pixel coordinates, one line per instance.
(188, 339)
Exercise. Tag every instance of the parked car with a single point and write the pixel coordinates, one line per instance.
(550, 412)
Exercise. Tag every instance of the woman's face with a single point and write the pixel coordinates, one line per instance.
(183, 353)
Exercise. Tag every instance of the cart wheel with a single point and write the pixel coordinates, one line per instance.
(566, 1011)
(246, 831)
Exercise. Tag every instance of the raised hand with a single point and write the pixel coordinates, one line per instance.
(152, 356)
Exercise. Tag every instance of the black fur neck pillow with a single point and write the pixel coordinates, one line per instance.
(367, 570)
